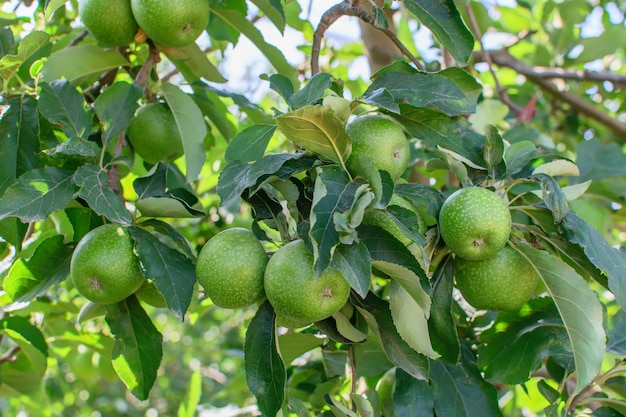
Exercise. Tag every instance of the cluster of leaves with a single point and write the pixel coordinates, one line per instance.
(66, 169)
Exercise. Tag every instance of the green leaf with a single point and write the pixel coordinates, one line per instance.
(194, 64)
(26, 372)
(553, 197)
(441, 325)
(444, 20)
(605, 257)
(412, 397)
(519, 342)
(281, 84)
(376, 313)
(617, 333)
(432, 91)
(421, 195)
(191, 125)
(453, 133)
(63, 105)
(410, 320)
(77, 62)
(115, 108)
(265, 370)
(75, 149)
(598, 160)
(318, 130)
(333, 193)
(138, 346)
(274, 11)
(494, 147)
(188, 407)
(312, 92)
(19, 139)
(171, 233)
(52, 6)
(250, 144)
(518, 155)
(293, 345)
(460, 391)
(32, 42)
(355, 264)
(240, 24)
(49, 265)
(37, 193)
(579, 308)
(95, 190)
(172, 272)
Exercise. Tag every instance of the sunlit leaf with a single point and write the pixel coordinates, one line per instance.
(250, 144)
(80, 61)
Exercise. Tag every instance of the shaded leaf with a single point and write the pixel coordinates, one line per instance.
(412, 397)
(579, 308)
(49, 265)
(37, 194)
(518, 155)
(441, 325)
(355, 264)
(265, 370)
(318, 130)
(598, 160)
(494, 147)
(250, 144)
(115, 108)
(63, 105)
(553, 197)
(138, 346)
(172, 272)
(312, 92)
(19, 139)
(94, 183)
(421, 195)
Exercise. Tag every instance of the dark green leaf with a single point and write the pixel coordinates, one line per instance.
(265, 370)
(382, 98)
(355, 264)
(460, 391)
(406, 220)
(519, 342)
(274, 11)
(171, 233)
(518, 155)
(77, 150)
(19, 142)
(553, 197)
(13, 231)
(318, 130)
(115, 108)
(579, 308)
(444, 20)
(282, 85)
(606, 258)
(191, 125)
(138, 346)
(63, 105)
(312, 91)
(49, 265)
(494, 147)
(95, 190)
(37, 193)
(435, 128)
(172, 272)
(28, 332)
(378, 317)
(617, 333)
(250, 144)
(441, 325)
(421, 195)
(598, 160)
(412, 397)
(7, 41)
(263, 204)
(334, 193)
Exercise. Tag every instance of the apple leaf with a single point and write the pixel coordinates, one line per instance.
(333, 193)
(518, 155)
(318, 130)
(191, 125)
(441, 324)
(63, 105)
(579, 308)
(250, 144)
(37, 194)
(421, 195)
(410, 320)
(494, 147)
(172, 272)
(355, 264)
(115, 108)
(19, 130)
(412, 397)
(378, 317)
(49, 265)
(460, 390)
(81, 61)
(94, 189)
(519, 341)
(265, 370)
(312, 91)
(553, 197)
(605, 257)
(138, 346)
(444, 20)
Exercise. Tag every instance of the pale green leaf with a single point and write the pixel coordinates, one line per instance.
(558, 167)
(80, 61)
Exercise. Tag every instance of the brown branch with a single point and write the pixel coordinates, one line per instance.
(144, 73)
(549, 73)
(10, 355)
(504, 59)
(350, 8)
(79, 38)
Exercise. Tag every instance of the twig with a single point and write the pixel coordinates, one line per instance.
(80, 38)
(502, 94)
(348, 8)
(9, 356)
(144, 73)
(504, 59)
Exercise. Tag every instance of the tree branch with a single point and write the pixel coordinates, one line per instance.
(350, 8)
(504, 59)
